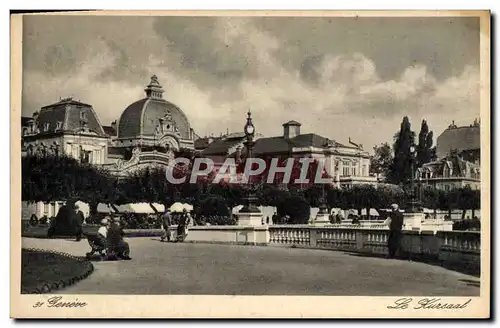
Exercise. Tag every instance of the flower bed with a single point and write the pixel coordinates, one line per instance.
(46, 271)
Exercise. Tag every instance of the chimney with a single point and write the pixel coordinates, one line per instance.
(291, 129)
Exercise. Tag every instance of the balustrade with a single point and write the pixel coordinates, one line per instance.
(289, 235)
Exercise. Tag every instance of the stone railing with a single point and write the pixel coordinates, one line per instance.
(459, 247)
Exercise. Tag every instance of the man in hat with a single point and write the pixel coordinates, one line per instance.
(395, 231)
(80, 218)
(167, 222)
(115, 240)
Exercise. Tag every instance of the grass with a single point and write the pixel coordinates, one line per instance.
(43, 271)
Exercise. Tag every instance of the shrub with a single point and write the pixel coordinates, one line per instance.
(213, 206)
(464, 225)
(296, 207)
(218, 220)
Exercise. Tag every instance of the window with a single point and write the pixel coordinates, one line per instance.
(354, 169)
(345, 169)
(46, 127)
(59, 126)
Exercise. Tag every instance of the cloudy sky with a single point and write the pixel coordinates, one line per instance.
(339, 77)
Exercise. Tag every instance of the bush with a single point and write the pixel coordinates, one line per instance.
(464, 225)
(140, 221)
(218, 220)
(213, 206)
(296, 207)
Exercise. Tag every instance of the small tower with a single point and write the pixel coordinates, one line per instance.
(154, 90)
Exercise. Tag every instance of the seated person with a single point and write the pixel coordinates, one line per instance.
(102, 233)
(115, 240)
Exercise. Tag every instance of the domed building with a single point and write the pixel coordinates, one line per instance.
(149, 132)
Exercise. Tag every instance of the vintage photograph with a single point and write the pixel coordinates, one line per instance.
(241, 154)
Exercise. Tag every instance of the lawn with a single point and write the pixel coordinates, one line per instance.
(44, 271)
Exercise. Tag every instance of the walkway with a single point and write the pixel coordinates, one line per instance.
(168, 268)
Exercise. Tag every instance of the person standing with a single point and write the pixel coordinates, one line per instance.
(395, 223)
(181, 227)
(80, 218)
(167, 222)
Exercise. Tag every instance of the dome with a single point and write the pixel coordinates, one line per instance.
(141, 118)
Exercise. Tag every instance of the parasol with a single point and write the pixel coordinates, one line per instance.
(176, 207)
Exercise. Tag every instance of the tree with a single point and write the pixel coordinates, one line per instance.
(425, 151)
(400, 171)
(296, 207)
(63, 178)
(380, 162)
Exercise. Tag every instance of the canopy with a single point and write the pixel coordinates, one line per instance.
(176, 207)
(237, 209)
(104, 208)
(142, 208)
(373, 212)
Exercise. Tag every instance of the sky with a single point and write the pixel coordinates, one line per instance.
(340, 77)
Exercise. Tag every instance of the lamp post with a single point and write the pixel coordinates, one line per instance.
(249, 205)
(323, 208)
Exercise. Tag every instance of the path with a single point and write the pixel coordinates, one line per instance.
(169, 268)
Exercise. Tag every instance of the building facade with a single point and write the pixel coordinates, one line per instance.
(459, 155)
(149, 132)
(348, 165)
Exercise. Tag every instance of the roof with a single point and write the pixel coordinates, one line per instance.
(279, 144)
(109, 130)
(458, 138)
(68, 115)
(455, 162)
(222, 146)
(142, 117)
(292, 123)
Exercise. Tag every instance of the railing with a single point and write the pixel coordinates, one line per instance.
(461, 241)
(289, 235)
(446, 246)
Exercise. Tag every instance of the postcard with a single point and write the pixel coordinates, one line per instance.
(265, 164)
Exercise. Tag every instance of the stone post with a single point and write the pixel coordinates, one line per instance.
(252, 219)
(413, 220)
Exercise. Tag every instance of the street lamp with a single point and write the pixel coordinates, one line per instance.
(249, 205)
(323, 208)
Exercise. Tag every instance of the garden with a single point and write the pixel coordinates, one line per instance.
(62, 178)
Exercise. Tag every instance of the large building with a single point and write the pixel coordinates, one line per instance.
(346, 164)
(464, 140)
(458, 150)
(150, 131)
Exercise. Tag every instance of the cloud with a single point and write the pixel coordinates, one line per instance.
(216, 69)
